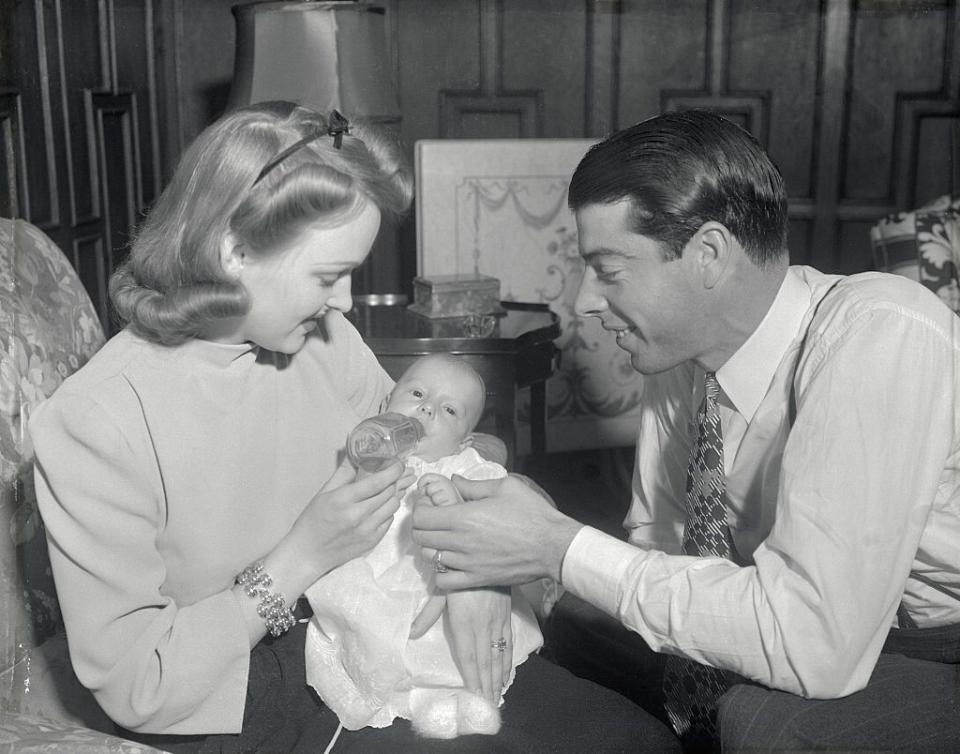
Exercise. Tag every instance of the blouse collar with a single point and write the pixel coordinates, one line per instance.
(217, 354)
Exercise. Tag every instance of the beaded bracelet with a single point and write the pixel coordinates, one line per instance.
(272, 608)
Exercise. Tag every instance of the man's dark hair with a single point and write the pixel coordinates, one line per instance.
(682, 169)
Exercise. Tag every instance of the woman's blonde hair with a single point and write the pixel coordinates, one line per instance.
(172, 286)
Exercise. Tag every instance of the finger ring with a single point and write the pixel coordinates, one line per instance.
(437, 565)
(500, 644)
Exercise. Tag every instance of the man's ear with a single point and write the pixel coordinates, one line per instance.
(712, 246)
(231, 255)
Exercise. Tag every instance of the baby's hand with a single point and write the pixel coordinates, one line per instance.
(439, 489)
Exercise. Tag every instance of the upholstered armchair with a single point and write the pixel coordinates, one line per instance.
(923, 245)
(48, 329)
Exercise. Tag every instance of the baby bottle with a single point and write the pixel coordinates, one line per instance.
(379, 439)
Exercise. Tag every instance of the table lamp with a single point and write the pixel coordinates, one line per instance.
(323, 55)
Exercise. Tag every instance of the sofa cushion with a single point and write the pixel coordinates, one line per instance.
(48, 329)
(27, 734)
(923, 245)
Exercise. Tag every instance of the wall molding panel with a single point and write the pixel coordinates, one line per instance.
(14, 197)
(857, 101)
(90, 259)
(750, 109)
(602, 76)
(39, 117)
(830, 119)
(73, 132)
(913, 111)
(114, 146)
(522, 109)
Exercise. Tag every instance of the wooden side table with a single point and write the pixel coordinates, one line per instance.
(518, 352)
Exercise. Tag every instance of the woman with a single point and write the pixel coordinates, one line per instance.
(186, 474)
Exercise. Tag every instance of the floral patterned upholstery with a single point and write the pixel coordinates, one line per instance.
(48, 329)
(923, 245)
(25, 733)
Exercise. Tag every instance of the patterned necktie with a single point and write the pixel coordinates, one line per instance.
(691, 690)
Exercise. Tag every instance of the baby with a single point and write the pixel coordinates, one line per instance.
(359, 655)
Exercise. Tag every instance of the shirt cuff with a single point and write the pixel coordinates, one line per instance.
(594, 565)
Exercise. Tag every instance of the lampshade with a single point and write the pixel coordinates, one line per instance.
(323, 55)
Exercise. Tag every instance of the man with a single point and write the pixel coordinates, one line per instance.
(797, 482)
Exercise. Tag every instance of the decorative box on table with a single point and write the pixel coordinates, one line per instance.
(443, 296)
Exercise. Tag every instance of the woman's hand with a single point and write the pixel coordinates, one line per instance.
(478, 619)
(345, 521)
(406, 480)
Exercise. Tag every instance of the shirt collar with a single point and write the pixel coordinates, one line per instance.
(746, 376)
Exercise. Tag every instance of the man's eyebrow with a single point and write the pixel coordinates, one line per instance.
(590, 256)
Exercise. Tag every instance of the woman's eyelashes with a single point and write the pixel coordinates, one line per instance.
(330, 279)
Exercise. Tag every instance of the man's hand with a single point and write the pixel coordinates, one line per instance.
(504, 533)
(535, 487)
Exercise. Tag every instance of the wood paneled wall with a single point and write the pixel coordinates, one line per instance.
(80, 116)
(858, 101)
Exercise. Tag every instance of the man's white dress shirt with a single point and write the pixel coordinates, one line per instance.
(842, 457)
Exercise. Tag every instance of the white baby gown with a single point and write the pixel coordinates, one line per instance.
(359, 656)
